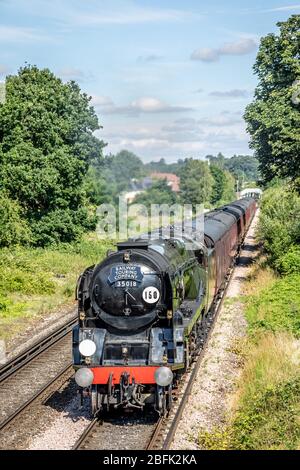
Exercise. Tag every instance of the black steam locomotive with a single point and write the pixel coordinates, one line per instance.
(141, 309)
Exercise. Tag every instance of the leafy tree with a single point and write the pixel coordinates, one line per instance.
(244, 166)
(279, 222)
(223, 186)
(273, 117)
(159, 193)
(196, 182)
(46, 145)
(125, 166)
(229, 188)
(108, 177)
(218, 184)
(218, 161)
(163, 167)
(13, 230)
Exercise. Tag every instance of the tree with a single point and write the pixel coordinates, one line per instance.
(279, 222)
(229, 188)
(223, 186)
(218, 184)
(163, 167)
(273, 118)
(13, 229)
(46, 145)
(125, 166)
(218, 161)
(159, 193)
(196, 182)
(243, 166)
(111, 175)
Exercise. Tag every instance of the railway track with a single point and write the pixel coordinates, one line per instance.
(161, 433)
(27, 377)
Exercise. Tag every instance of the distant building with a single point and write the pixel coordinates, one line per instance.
(141, 185)
(130, 195)
(256, 193)
(172, 180)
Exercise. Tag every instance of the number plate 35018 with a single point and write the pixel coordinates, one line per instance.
(125, 283)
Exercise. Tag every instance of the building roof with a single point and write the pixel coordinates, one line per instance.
(171, 178)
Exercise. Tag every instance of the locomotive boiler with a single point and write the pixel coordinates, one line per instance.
(141, 310)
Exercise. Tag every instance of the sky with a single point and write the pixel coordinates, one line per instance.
(168, 79)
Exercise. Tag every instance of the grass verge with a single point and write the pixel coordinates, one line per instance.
(266, 410)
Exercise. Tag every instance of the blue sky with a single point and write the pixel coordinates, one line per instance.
(168, 78)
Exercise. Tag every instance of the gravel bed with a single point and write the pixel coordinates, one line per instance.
(18, 389)
(121, 431)
(39, 328)
(55, 424)
(210, 402)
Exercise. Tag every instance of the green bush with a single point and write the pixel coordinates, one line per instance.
(289, 263)
(13, 229)
(279, 222)
(276, 308)
(61, 225)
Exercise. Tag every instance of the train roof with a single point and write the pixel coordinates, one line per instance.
(216, 224)
(219, 221)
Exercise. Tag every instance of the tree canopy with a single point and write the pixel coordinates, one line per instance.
(159, 193)
(164, 167)
(46, 145)
(108, 177)
(241, 166)
(273, 118)
(223, 188)
(196, 182)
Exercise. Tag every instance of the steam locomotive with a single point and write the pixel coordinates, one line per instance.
(141, 309)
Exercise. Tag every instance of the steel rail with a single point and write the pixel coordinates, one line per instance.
(68, 371)
(15, 364)
(80, 443)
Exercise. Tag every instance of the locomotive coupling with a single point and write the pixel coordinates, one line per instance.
(163, 376)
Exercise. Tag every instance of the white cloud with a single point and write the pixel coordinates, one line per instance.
(149, 58)
(283, 8)
(102, 12)
(72, 73)
(100, 101)
(4, 69)
(126, 12)
(143, 105)
(182, 137)
(20, 34)
(235, 93)
(240, 47)
(205, 54)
